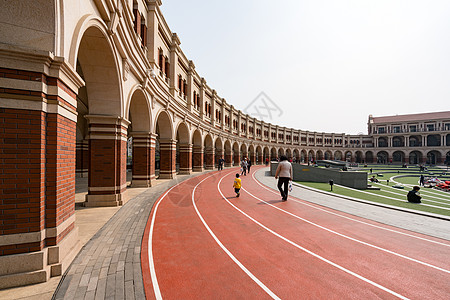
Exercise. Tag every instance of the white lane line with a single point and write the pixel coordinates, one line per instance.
(352, 219)
(150, 247)
(350, 238)
(308, 251)
(243, 268)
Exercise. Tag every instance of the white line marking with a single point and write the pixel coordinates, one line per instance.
(350, 238)
(150, 248)
(352, 219)
(308, 251)
(253, 277)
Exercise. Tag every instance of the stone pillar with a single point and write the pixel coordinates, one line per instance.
(38, 237)
(219, 153)
(108, 160)
(198, 159)
(82, 158)
(185, 158)
(228, 159)
(144, 144)
(236, 158)
(209, 159)
(167, 161)
(253, 158)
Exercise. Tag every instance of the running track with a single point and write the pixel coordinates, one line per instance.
(203, 243)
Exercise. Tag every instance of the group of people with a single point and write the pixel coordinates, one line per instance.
(245, 166)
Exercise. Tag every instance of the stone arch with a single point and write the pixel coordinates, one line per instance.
(369, 157)
(398, 141)
(433, 140)
(415, 157)
(348, 156)
(296, 155)
(197, 151)
(382, 157)
(218, 150)
(328, 155)
(433, 157)
(266, 154)
(338, 155)
(280, 152)
(140, 138)
(447, 158)
(382, 141)
(208, 151)
(100, 101)
(415, 141)
(303, 156)
(228, 153)
(447, 140)
(273, 153)
(165, 155)
(398, 157)
(311, 156)
(184, 149)
(319, 155)
(359, 157)
(251, 154)
(243, 151)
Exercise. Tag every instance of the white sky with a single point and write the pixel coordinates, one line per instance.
(327, 64)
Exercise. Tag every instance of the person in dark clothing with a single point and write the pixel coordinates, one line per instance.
(414, 195)
(249, 164)
(422, 180)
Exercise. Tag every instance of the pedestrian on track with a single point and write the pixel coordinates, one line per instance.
(249, 164)
(237, 185)
(284, 175)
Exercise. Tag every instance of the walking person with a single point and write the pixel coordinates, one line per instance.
(249, 164)
(237, 185)
(244, 167)
(220, 167)
(422, 180)
(284, 175)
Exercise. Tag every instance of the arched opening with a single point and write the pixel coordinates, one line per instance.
(289, 154)
(359, 157)
(273, 154)
(319, 155)
(165, 155)
(296, 154)
(266, 155)
(338, 155)
(228, 153)
(447, 140)
(303, 156)
(382, 157)
(348, 156)
(382, 142)
(236, 158)
(311, 156)
(243, 152)
(197, 151)
(208, 152)
(280, 152)
(99, 105)
(139, 156)
(398, 157)
(218, 149)
(447, 158)
(397, 141)
(415, 141)
(252, 155)
(259, 155)
(415, 158)
(184, 150)
(433, 157)
(369, 157)
(328, 155)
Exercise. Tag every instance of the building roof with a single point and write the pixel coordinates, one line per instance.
(412, 117)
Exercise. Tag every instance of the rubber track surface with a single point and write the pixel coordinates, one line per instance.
(259, 247)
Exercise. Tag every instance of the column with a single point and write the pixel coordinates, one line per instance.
(198, 159)
(167, 162)
(228, 159)
(219, 153)
(236, 158)
(82, 158)
(143, 159)
(253, 158)
(185, 158)
(107, 160)
(209, 158)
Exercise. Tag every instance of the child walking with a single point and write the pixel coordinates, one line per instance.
(237, 185)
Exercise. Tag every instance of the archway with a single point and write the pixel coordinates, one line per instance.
(243, 152)
(433, 157)
(259, 155)
(104, 156)
(273, 154)
(252, 155)
(433, 140)
(165, 147)
(382, 157)
(338, 155)
(359, 157)
(303, 156)
(398, 141)
(296, 154)
(280, 152)
(319, 155)
(415, 158)
(184, 149)
(218, 149)
(398, 157)
(311, 156)
(197, 151)
(208, 153)
(236, 158)
(289, 154)
(382, 142)
(348, 156)
(228, 153)
(369, 157)
(415, 141)
(328, 155)
(141, 156)
(266, 154)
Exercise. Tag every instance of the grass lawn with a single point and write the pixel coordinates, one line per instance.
(375, 196)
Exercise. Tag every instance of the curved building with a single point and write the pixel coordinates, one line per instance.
(81, 80)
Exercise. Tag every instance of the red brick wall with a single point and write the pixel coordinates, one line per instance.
(185, 159)
(198, 159)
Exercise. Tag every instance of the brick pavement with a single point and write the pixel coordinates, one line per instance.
(109, 265)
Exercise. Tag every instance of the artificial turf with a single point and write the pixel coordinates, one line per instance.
(375, 197)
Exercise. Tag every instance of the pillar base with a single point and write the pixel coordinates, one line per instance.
(104, 200)
(164, 175)
(185, 171)
(197, 169)
(143, 183)
(37, 267)
(209, 167)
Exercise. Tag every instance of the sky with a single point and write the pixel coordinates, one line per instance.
(323, 65)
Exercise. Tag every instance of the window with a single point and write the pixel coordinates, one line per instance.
(447, 126)
(430, 127)
(381, 130)
(413, 128)
(397, 129)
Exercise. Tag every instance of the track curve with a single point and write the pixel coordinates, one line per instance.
(202, 242)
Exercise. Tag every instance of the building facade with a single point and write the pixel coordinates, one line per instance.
(79, 80)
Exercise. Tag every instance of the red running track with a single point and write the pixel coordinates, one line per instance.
(202, 242)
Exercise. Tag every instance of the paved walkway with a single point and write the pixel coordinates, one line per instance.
(406, 220)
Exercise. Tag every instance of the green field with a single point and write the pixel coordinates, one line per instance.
(433, 201)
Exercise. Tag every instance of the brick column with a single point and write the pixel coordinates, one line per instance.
(219, 153)
(236, 158)
(198, 159)
(253, 158)
(228, 159)
(209, 159)
(82, 158)
(38, 237)
(167, 162)
(185, 158)
(143, 159)
(108, 160)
